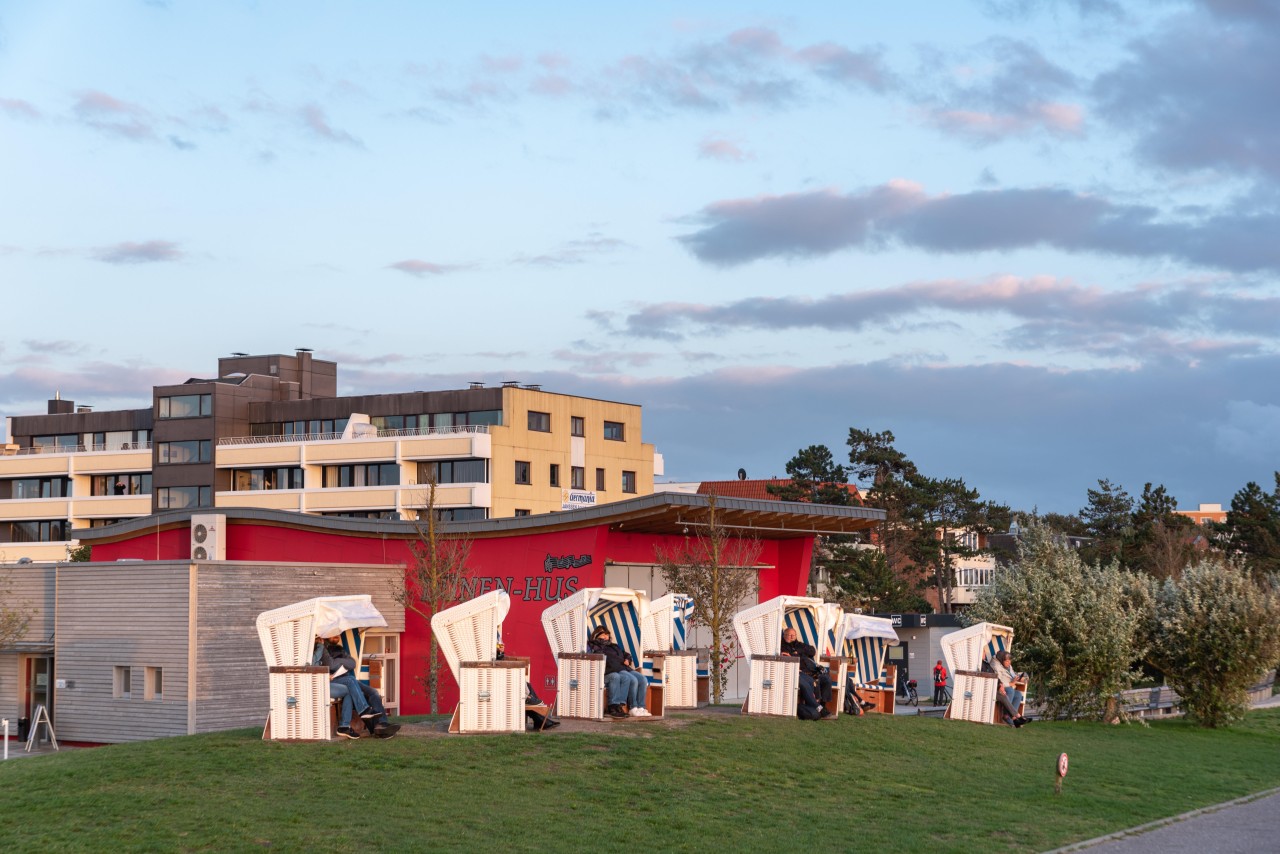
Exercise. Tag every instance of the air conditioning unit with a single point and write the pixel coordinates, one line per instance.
(208, 536)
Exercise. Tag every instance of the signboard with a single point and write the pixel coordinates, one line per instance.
(575, 499)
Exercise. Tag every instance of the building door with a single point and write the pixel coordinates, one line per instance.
(39, 673)
(898, 655)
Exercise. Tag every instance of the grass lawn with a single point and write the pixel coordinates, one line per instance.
(712, 781)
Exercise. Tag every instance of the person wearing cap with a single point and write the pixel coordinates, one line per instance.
(626, 685)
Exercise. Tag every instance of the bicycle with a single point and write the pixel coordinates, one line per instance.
(913, 698)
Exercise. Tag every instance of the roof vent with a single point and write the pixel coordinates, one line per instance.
(533, 387)
(510, 383)
(475, 384)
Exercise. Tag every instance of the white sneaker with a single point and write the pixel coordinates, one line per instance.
(640, 713)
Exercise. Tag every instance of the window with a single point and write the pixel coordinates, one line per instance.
(315, 427)
(613, 430)
(35, 531)
(553, 477)
(121, 679)
(153, 683)
(370, 474)
(120, 484)
(577, 426)
(185, 406)
(600, 480)
(522, 472)
(577, 477)
(540, 422)
(628, 481)
(462, 514)
(251, 480)
(39, 487)
(454, 471)
(178, 497)
(522, 512)
(56, 444)
(394, 422)
(189, 451)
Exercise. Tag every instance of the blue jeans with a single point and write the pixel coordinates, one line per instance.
(1015, 697)
(627, 686)
(347, 688)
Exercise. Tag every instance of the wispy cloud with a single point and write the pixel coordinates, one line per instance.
(418, 269)
(821, 222)
(316, 121)
(575, 251)
(55, 347)
(114, 117)
(718, 148)
(146, 252)
(18, 108)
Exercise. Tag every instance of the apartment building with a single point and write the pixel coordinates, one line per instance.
(270, 432)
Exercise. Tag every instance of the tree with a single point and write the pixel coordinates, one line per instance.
(433, 579)
(718, 570)
(859, 577)
(80, 554)
(814, 478)
(1214, 632)
(950, 519)
(1160, 543)
(1107, 519)
(1077, 626)
(15, 616)
(1252, 528)
(887, 474)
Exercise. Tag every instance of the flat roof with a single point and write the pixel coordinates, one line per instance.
(659, 513)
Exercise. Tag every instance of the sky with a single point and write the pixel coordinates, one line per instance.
(1039, 242)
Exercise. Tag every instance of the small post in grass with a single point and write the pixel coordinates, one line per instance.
(1062, 772)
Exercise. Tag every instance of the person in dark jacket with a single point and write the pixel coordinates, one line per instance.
(626, 685)
(537, 720)
(355, 694)
(815, 681)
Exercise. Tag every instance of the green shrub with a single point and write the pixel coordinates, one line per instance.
(1214, 633)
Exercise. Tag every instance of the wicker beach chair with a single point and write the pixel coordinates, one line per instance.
(491, 693)
(865, 639)
(580, 674)
(299, 691)
(670, 661)
(775, 678)
(974, 698)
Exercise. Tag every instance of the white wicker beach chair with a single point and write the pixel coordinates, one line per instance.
(299, 691)
(775, 678)
(490, 693)
(668, 660)
(579, 674)
(865, 639)
(974, 698)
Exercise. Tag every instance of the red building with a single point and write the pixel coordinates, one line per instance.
(537, 559)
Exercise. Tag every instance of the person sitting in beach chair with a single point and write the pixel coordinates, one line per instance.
(356, 696)
(626, 685)
(815, 680)
(536, 719)
(1009, 697)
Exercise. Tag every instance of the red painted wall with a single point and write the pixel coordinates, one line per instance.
(534, 568)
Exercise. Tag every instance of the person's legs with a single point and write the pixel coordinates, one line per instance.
(807, 696)
(616, 685)
(1009, 709)
(824, 687)
(353, 688)
(1015, 698)
(637, 689)
(337, 691)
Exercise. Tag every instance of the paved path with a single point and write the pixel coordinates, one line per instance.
(1250, 824)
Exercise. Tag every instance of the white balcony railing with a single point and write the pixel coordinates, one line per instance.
(979, 576)
(86, 449)
(333, 437)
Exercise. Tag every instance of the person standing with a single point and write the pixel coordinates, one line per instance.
(939, 683)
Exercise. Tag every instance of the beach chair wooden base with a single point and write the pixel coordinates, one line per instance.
(299, 704)
(775, 686)
(580, 677)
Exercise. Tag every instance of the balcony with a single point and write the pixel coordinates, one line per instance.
(468, 441)
(972, 577)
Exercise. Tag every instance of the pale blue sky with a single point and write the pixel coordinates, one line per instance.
(1036, 240)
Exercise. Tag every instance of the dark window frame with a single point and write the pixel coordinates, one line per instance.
(618, 427)
(525, 468)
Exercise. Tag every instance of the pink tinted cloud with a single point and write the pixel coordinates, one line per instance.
(415, 267)
(315, 120)
(147, 252)
(18, 108)
(1055, 118)
(714, 148)
(111, 115)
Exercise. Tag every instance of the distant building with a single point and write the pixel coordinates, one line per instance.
(1206, 513)
(270, 432)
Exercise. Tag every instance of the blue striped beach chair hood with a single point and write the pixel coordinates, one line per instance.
(570, 622)
(760, 627)
(866, 639)
(966, 648)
